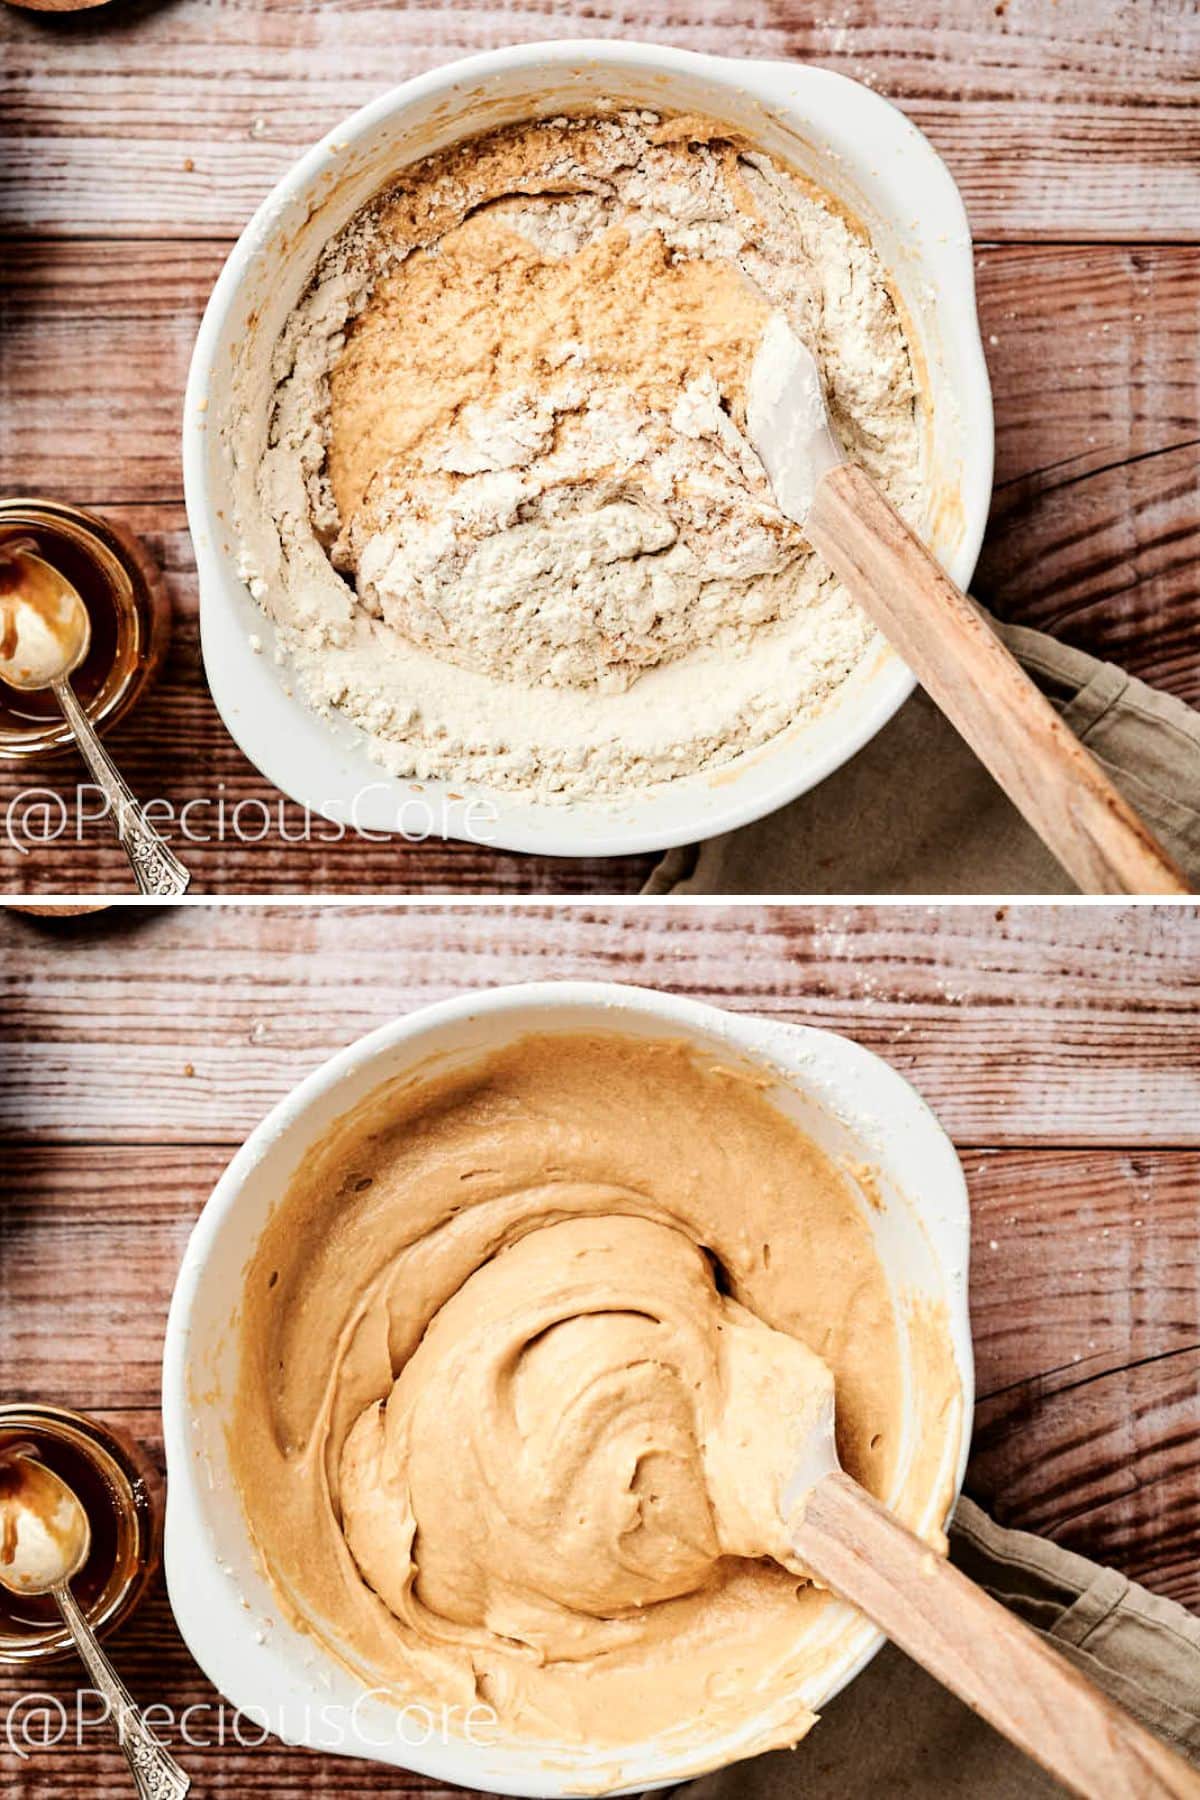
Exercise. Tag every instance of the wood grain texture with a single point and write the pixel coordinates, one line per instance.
(962, 663)
(1051, 1026)
(137, 141)
(1094, 534)
(981, 1651)
(1091, 351)
(226, 1755)
(1059, 1045)
(1085, 1315)
(1059, 120)
(246, 837)
(1085, 1304)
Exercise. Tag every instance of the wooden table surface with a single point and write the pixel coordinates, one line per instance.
(1059, 1046)
(137, 138)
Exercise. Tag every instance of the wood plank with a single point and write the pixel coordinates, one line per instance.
(1059, 1022)
(1047, 1025)
(1040, 1221)
(1063, 121)
(90, 1242)
(1084, 1264)
(160, 1671)
(1094, 531)
(223, 1751)
(1085, 1315)
(96, 340)
(1092, 358)
(1095, 540)
(1110, 1462)
(174, 748)
(1106, 561)
(1092, 354)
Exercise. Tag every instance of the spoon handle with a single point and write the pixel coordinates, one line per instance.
(981, 1651)
(155, 869)
(156, 1774)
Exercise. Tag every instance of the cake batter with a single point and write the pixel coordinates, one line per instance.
(516, 1349)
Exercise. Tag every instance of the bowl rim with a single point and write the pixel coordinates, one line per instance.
(190, 1562)
(704, 805)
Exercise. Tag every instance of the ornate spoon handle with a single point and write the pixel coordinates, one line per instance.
(155, 869)
(156, 1774)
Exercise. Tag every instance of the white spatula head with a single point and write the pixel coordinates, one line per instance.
(787, 419)
(773, 1440)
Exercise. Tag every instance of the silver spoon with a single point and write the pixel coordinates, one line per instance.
(44, 1541)
(45, 633)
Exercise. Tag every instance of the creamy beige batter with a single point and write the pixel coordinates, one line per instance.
(526, 1351)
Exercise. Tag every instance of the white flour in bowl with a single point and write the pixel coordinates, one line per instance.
(519, 535)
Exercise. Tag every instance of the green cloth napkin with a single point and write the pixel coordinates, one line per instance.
(915, 813)
(895, 1733)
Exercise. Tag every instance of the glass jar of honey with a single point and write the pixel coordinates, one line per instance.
(121, 1496)
(127, 603)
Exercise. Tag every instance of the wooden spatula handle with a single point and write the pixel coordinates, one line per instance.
(982, 1652)
(948, 644)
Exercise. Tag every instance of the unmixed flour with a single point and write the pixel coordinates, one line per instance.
(515, 529)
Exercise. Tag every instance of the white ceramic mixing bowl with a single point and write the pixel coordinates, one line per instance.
(857, 1108)
(854, 144)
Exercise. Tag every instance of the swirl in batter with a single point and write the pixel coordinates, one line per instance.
(527, 1350)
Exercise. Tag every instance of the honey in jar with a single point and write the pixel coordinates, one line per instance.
(118, 1493)
(126, 602)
